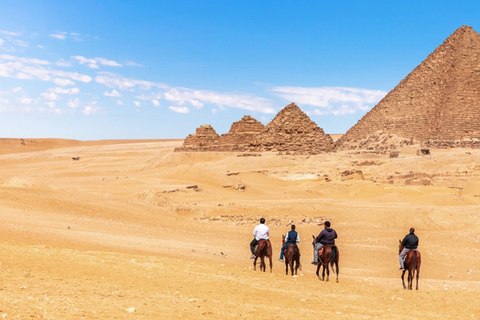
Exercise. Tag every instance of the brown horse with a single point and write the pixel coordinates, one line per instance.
(292, 256)
(413, 260)
(264, 249)
(329, 256)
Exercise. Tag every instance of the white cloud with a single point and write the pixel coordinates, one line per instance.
(20, 43)
(136, 103)
(27, 68)
(332, 100)
(63, 63)
(50, 96)
(2, 42)
(17, 89)
(133, 64)
(120, 102)
(50, 104)
(23, 76)
(64, 91)
(197, 99)
(155, 103)
(59, 35)
(63, 82)
(93, 63)
(107, 62)
(76, 36)
(90, 110)
(74, 103)
(9, 33)
(119, 82)
(114, 93)
(179, 109)
(23, 60)
(25, 100)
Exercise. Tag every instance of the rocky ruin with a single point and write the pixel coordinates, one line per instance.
(290, 131)
(437, 105)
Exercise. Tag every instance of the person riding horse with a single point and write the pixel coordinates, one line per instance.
(326, 236)
(410, 242)
(292, 237)
(261, 232)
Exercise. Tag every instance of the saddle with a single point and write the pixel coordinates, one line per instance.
(285, 250)
(259, 242)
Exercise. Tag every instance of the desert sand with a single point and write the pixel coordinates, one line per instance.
(133, 230)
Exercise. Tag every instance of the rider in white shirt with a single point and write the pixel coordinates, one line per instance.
(261, 232)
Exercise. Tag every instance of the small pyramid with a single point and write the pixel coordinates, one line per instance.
(436, 105)
(293, 131)
(242, 133)
(204, 139)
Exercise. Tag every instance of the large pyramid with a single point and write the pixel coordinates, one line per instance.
(293, 131)
(436, 105)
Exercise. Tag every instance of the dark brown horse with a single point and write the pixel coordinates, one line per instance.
(413, 260)
(264, 249)
(292, 256)
(329, 256)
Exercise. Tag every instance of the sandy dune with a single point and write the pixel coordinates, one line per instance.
(133, 230)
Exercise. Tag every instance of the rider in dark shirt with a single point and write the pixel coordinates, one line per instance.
(291, 237)
(410, 242)
(326, 236)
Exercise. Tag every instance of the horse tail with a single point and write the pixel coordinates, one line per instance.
(414, 262)
(333, 257)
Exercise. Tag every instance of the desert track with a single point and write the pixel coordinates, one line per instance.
(133, 230)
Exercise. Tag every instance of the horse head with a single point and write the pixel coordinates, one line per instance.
(400, 246)
(283, 239)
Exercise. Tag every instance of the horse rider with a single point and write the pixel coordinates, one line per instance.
(261, 232)
(326, 236)
(410, 242)
(291, 237)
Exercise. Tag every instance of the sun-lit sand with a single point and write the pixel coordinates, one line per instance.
(134, 231)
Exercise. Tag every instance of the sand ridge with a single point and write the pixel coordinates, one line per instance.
(133, 230)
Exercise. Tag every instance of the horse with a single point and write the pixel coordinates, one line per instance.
(292, 256)
(264, 249)
(413, 260)
(329, 256)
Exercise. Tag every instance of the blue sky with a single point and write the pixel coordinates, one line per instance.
(93, 70)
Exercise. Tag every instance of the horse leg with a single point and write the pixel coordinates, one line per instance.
(318, 269)
(270, 258)
(336, 270)
(418, 271)
(255, 264)
(403, 280)
(410, 284)
(262, 264)
(328, 271)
